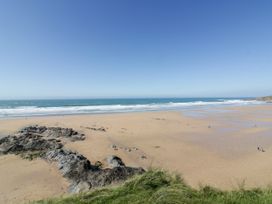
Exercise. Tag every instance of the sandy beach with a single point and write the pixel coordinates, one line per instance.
(215, 146)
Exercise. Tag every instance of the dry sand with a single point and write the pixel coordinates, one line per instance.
(23, 180)
(216, 147)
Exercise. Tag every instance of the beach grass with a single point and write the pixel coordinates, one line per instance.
(160, 187)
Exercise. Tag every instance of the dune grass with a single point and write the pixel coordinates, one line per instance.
(159, 187)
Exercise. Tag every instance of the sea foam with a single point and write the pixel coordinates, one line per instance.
(117, 108)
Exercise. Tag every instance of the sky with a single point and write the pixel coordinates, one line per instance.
(135, 48)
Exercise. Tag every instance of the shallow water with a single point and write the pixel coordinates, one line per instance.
(25, 108)
(232, 132)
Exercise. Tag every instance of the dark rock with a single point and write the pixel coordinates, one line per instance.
(52, 132)
(113, 146)
(80, 187)
(127, 149)
(25, 143)
(79, 170)
(33, 129)
(110, 176)
(99, 129)
(40, 141)
(72, 165)
(77, 137)
(115, 161)
(98, 164)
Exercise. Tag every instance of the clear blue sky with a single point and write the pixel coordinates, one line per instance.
(135, 48)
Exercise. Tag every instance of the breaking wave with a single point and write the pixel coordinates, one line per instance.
(66, 110)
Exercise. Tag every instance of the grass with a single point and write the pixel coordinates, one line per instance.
(31, 155)
(159, 187)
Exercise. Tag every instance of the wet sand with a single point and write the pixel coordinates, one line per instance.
(217, 147)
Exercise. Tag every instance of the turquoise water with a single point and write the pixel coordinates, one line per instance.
(17, 108)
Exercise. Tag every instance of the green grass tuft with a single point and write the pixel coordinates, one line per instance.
(159, 187)
(31, 155)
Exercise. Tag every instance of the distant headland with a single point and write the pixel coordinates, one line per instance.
(265, 98)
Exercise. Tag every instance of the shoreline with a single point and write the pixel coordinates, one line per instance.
(82, 114)
(170, 140)
(181, 110)
(17, 109)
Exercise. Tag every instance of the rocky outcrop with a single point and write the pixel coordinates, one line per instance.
(115, 161)
(83, 175)
(53, 132)
(72, 165)
(99, 129)
(266, 98)
(27, 143)
(45, 142)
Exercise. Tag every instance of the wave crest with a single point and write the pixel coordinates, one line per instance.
(65, 110)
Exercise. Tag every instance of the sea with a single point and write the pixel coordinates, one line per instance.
(27, 108)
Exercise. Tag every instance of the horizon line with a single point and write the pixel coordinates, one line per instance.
(105, 98)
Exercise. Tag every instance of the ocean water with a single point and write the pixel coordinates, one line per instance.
(25, 108)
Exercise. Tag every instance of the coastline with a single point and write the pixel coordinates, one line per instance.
(40, 108)
(227, 138)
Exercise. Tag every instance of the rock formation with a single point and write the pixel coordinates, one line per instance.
(266, 98)
(45, 142)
